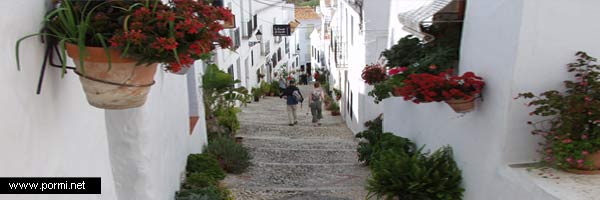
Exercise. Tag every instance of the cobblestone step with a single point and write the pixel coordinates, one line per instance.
(294, 131)
(300, 176)
(343, 193)
(304, 156)
(302, 162)
(274, 142)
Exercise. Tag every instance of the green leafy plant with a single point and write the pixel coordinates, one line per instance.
(233, 158)
(265, 87)
(570, 125)
(397, 175)
(337, 93)
(199, 180)
(334, 107)
(275, 88)
(206, 193)
(206, 164)
(227, 117)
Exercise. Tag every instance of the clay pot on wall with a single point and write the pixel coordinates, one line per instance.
(594, 159)
(461, 105)
(121, 85)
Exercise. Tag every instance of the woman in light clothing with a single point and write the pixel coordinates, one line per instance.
(315, 103)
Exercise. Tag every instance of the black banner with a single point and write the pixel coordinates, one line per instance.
(48, 185)
(282, 30)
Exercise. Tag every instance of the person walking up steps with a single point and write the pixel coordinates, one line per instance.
(316, 97)
(293, 96)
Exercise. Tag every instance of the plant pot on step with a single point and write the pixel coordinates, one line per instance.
(238, 140)
(335, 113)
(462, 105)
(122, 86)
(593, 159)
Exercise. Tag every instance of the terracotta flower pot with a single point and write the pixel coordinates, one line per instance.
(594, 159)
(396, 92)
(335, 113)
(238, 140)
(123, 86)
(461, 105)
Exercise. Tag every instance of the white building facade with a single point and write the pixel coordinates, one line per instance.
(250, 56)
(138, 153)
(516, 46)
(358, 32)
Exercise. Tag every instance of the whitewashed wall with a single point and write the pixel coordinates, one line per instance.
(57, 134)
(516, 46)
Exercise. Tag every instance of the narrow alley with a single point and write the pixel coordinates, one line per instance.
(297, 162)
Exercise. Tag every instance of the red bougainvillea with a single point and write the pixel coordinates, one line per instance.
(424, 88)
(374, 73)
(175, 33)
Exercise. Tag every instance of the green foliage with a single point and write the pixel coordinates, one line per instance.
(408, 50)
(311, 3)
(227, 117)
(206, 164)
(233, 158)
(207, 193)
(275, 88)
(381, 91)
(216, 79)
(334, 107)
(337, 92)
(199, 180)
(265, 87)
(570, 125)
(397, 175)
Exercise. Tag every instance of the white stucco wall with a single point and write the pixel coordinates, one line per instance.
(516, 46)
(57, 134)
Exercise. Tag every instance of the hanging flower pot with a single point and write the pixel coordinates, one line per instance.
(120, 86)
(462, 105)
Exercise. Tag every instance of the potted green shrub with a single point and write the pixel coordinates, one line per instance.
(335, 108)
(116, 45)
(570, 125)
(256, 93)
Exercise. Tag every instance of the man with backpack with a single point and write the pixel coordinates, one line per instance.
(293, 96)
(316, 97)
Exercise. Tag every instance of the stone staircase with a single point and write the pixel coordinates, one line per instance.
(297, 162)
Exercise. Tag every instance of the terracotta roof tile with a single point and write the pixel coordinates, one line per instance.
(306, 13)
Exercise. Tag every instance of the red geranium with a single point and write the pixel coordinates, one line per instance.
(374, 73)
(175, 33)
(424, 88)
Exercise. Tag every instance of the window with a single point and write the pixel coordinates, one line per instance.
(279, 54)
(235, 36)
(230, 71)
(252, 57)
(255, 19)
(352, 30)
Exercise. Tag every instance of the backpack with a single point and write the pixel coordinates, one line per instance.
(297, 96)
(316, 96)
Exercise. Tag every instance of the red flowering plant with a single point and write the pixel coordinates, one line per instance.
(373, 74)
(176, 33)
(424, 87)
(570, 123)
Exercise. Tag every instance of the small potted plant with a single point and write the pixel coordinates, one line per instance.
(116, 45)
(458, 92)
(570, 122)
(335, 108)
(373, 74)
(256, 93)
(337, 93)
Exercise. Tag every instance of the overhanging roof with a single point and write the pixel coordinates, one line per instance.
(423, 10)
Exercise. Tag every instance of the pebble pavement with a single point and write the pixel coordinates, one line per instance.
(302, 162)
